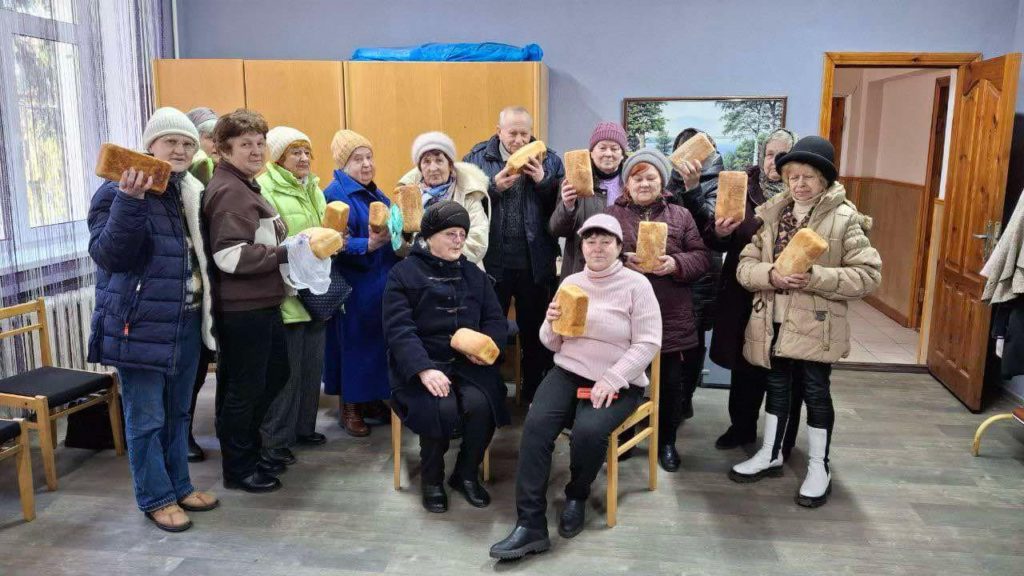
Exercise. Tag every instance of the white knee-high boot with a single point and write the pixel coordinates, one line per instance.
(818, 484)
(761, 464)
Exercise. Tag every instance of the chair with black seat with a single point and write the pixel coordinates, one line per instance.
(51, 393)
(14, 444)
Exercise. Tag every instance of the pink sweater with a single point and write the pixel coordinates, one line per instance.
(623, 328)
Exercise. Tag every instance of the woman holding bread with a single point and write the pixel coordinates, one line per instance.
(683, 260)
(608, 147)
(437, 389)
(294, 191)
(439, 177)
(355, 365)
(798, 325)
(620, 336)
(154, 313)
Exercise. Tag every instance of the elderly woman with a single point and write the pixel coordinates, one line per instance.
(436, 390)
(245, 236)
(153, 314)
(746, 388)
(623, 333)
(798, 324)
(294, 192)
(685, 260)
(355, 365)
(205, 159)
(441, 178)
(607, 152)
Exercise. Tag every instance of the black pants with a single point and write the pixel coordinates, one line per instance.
(817, 395)
(205, 357)
(555, 407)
(680, 373)
(532, 301)
(251, 369)
(477, 431)
(746, 394)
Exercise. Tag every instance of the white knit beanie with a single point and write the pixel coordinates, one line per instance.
(279, 138)
(429, 141)
(167, 121)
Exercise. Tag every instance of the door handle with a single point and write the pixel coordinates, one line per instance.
(980, 236)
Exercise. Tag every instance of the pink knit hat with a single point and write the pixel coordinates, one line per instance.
(608, 131)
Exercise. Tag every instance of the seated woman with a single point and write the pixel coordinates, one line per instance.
(622, 335)
(434, 389)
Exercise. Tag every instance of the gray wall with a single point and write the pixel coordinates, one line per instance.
(601, 51)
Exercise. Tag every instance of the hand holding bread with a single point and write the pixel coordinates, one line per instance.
(134, 183)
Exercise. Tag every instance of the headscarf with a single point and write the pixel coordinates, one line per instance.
(769, 188)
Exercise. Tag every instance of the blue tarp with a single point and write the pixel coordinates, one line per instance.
(461, 52)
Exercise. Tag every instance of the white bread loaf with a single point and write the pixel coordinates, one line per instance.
(475, 344)
(573, 303)
(732, 195)
(336, 216)
(325, 242)
(800, 254)
(696, 148)
(651, 239)
(410, 201)
(114, 160)
(578, 172)
(379, 214)
(519, 158)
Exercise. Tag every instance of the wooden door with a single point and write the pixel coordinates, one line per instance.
(187, 84)
(980, 147)
(391, 103)
(304, 94)
(835, 132)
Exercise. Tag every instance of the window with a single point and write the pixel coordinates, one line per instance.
(60, 10)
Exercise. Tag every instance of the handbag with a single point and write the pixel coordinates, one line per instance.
(322, 307)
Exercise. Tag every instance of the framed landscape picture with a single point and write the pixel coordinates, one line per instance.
(738, 125)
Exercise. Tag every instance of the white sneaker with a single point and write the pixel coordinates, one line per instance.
(761, 464)
(818, 484)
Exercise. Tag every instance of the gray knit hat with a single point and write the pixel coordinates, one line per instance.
(204, 119)
(430, 141)
(166, 121)
(649, 156)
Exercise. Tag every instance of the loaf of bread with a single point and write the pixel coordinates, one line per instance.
(410, 201)
(379, 214)
(651, 239)
(800, 254)
(578, 172)
(325, 242)
(336, 216)
(732, 195)
(114, 160)
(519, 158)
(573, 302)
(475, 344)
(696, 148)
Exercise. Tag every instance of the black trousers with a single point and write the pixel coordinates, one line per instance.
(205, 357)
(251, 369)
(816, 377)
(477, 431)
(746, 394)
(554, 408)
(680, 373)
(532, 301)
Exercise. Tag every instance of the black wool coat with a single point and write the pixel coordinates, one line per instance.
(426, 300)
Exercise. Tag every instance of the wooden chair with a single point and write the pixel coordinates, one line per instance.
(16, 433)
(1017, 414)
(647, 410)
(396, 452)
(52, 393)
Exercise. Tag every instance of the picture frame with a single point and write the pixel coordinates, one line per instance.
(736, 124)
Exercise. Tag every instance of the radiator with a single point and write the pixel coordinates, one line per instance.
(68, 315)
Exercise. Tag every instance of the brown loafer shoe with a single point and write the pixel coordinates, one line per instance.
(170, 518)
(352, 421)
(199, 502)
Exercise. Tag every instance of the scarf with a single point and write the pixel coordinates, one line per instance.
(434, 194)
(768, 188)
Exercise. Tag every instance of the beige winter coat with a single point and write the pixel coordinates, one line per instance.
(471, 192)
(815, 327)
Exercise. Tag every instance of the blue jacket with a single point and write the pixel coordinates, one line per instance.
(140, 250)
(540, 199)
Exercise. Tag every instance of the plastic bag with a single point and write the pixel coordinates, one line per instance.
(305, 270)
(453, 52)
(395, 225)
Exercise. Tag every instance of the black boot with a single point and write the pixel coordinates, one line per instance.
(520, 542)
(270, 467)
(256, 483)
(734, 438)
(195, 452)
(475, 494)
(668, 457)
(573, 517)
(278, 455)
(314, 439)
(434, 498)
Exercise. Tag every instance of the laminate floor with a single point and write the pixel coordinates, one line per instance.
(908, 498)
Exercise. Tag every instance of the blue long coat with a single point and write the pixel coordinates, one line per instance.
(355, 361)
(426, 301)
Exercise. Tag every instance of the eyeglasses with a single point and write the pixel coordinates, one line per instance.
(455, 236)
(187, 145)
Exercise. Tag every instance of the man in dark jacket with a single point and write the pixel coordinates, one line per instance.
(521, 252)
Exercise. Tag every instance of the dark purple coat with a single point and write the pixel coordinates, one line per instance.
(734, 303)
(679, 328)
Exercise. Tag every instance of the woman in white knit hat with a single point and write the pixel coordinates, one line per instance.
(440, 177)
(294, 191)
(153, 313)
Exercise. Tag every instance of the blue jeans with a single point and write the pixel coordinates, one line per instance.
(156, 409)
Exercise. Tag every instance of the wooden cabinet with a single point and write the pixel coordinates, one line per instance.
(306, 95)
(187, 84)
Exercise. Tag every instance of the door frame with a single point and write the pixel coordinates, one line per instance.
(833, 60)
(932, 193)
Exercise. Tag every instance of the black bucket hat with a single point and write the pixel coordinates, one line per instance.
(813, 150)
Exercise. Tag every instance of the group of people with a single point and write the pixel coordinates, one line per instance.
(201, 269)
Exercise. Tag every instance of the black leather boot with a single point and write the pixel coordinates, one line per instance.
(520, 542)
(279, 455)
(668, 457)
(314, 439)
(195, 452)
(573, 517)
(270, 467)
(435, 499)
(473, 491)
(257, 483)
